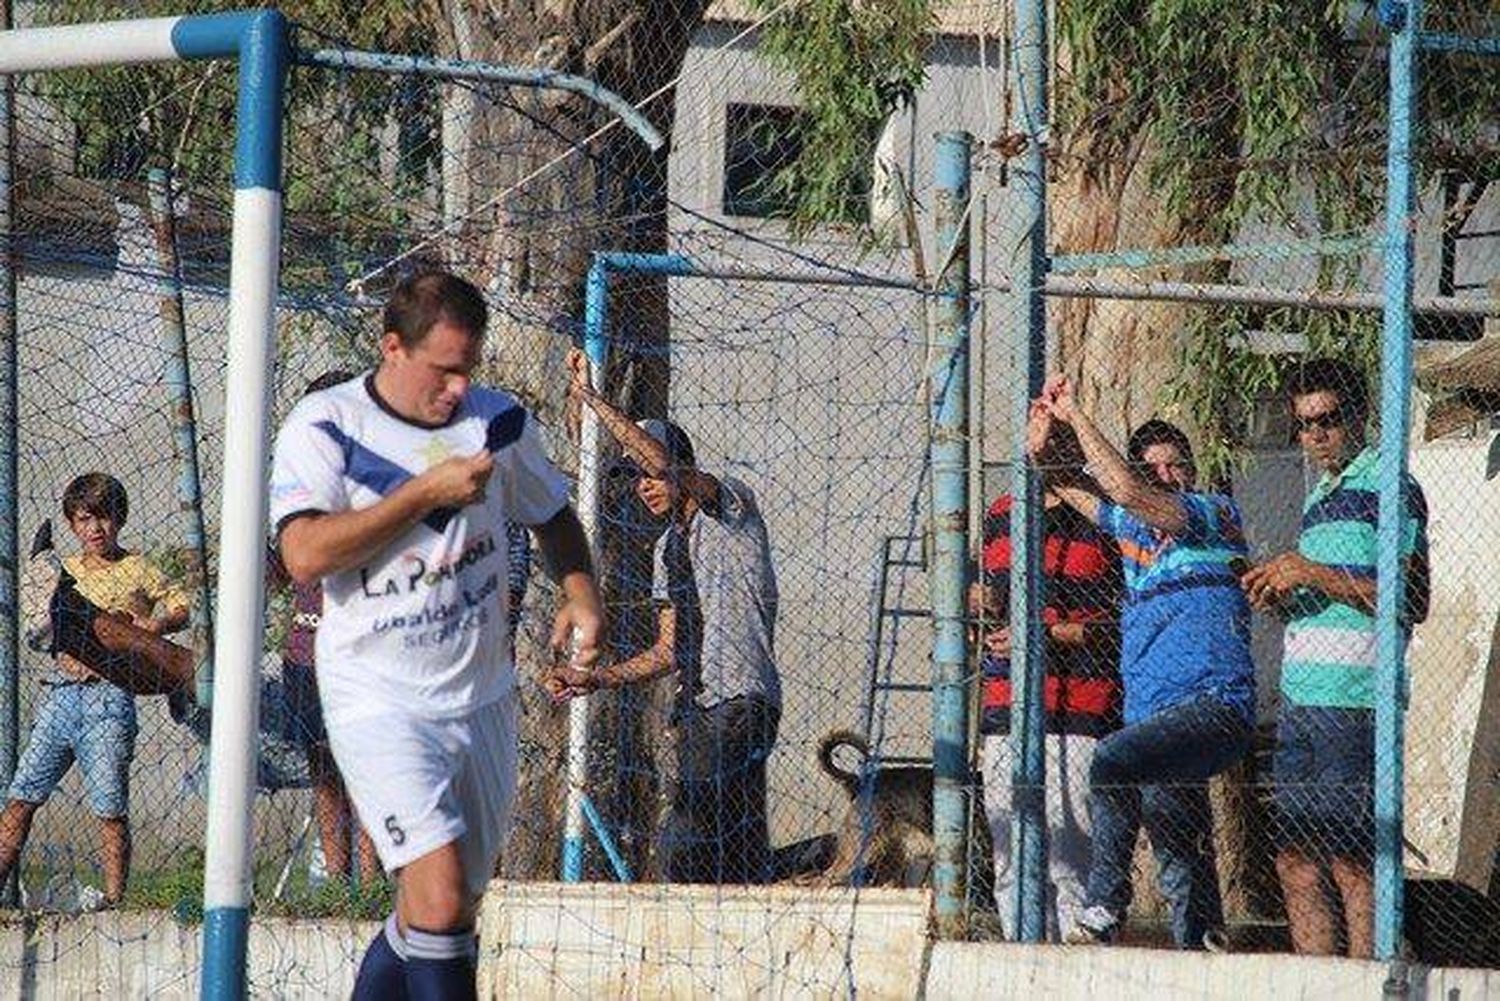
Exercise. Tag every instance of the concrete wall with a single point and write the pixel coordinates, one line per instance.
(1452, 745)
(542, 940)
(967, 970)
(147, 954)
(686, 941)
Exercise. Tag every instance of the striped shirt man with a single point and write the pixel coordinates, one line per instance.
(1330, 647)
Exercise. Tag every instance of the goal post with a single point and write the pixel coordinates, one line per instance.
(258, 41)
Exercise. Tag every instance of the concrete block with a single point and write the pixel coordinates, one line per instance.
(686, 941)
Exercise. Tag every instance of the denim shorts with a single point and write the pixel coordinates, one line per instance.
(93, 724)
(1324, 770)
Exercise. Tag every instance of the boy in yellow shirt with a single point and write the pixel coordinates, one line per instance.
(83, 717)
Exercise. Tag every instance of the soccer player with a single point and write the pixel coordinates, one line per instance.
(394, 490)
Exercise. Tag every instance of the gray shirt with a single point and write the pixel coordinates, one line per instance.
(716, 573)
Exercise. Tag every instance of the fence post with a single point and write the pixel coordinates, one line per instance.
(1028, 670)
(1395, 416)
(179, 386)
(595, 310)
(10, 651)
(948, 374)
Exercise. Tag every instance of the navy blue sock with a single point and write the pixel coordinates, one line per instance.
(382, 973)
(440, 965)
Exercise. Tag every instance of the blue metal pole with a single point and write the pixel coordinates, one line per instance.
(260, 40)
(948, 394)
(595, 319)
(1028, 670)
(606, 841)
(1434, 41)
(10, 556)
(1395, 389)
(179, 386)
(640, 263)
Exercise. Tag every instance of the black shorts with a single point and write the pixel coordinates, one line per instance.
(1324, 770)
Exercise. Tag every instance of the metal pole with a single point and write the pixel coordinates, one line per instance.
(463, 69)
(179, 386)
(1395, 415)
(948, 376)
(254, 266)
(1029, 319)
(10, 651)
(595, 345)
(1062, 286)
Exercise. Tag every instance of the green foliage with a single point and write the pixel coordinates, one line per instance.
(1237, 111)
(855, 63)
(1219, 379)
(180, 117)
(175, 887)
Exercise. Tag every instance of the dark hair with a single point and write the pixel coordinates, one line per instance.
(1331, 375)
(1157, 432)
(98, 494)
(328, 380)
(423, 300)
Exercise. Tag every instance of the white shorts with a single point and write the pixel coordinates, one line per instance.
(419, 783)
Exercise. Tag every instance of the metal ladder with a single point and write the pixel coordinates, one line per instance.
(891, 555)
(880, 614)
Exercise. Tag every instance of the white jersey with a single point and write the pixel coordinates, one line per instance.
(421, 625)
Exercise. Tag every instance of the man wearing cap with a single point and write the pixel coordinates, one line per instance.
(715, 592)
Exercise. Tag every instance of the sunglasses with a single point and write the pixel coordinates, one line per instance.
(1326, 421)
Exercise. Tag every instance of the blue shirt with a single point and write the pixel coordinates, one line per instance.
(1185, 628)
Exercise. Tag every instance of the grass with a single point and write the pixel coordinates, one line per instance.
(178, 889)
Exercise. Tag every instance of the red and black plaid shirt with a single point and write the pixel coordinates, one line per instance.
(1081, 583)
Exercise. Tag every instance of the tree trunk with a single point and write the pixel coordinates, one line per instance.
(530, 192)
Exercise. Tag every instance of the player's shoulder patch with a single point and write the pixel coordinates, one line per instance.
(502, 415)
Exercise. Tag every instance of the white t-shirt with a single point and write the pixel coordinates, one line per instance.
(421, 626)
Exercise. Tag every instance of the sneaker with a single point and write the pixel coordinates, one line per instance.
(91, 900)
(1216, 940)
(1097, 925)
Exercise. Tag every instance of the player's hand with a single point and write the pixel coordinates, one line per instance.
(564, 683)
(459, 481)
(584, 617)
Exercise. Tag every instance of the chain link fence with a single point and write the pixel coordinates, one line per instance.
(1199, 226)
